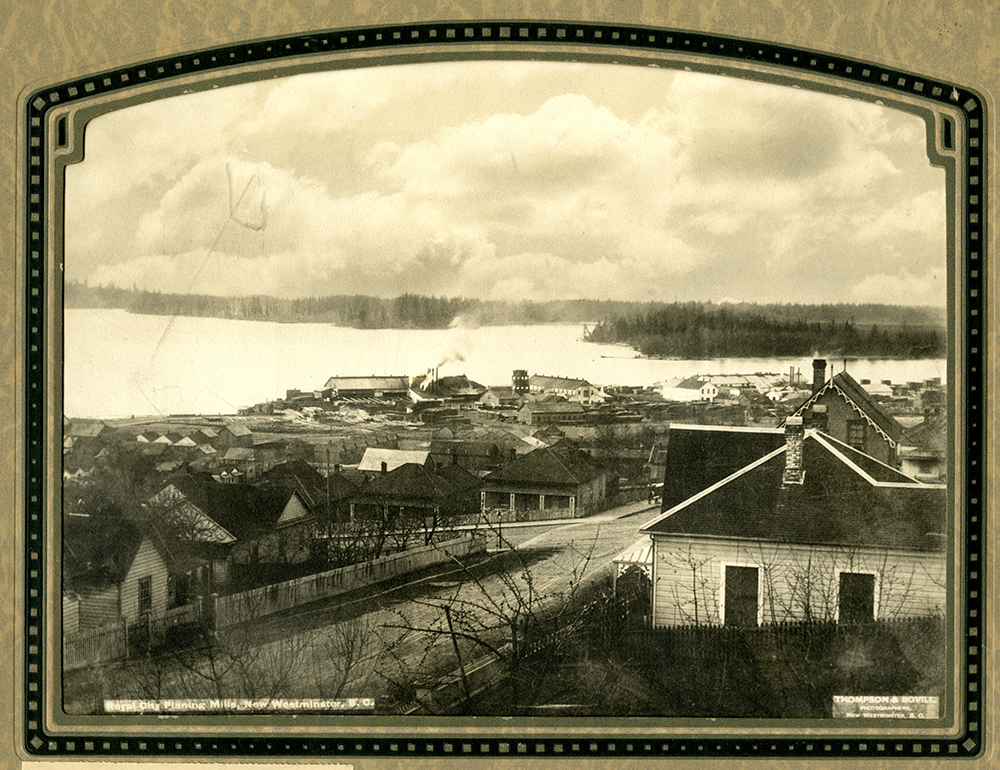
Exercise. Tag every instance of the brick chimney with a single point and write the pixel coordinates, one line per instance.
(819, 374)
(818, 417)
(794, 441)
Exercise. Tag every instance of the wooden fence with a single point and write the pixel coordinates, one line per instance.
(100, 645)
(268, 600)
(704, 634)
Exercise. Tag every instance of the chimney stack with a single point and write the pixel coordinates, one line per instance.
(385, 467)
(818, 417)
(794, 441)
(819, 374)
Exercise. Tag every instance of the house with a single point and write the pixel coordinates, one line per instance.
(688, 389)
(550, 412)
(242, 459)
(878, 390)
(257, 525)
(500, 397)
(204, 436)
(367, 387)
(698, 456)
(378, 459)
(923, 451)
(571, 388)
(300, 476)
(112, 571)
(558, 481)
(414, 498)
(851, 415)
(813, 530)
(87, 429)
(474, 456)
(235, 434)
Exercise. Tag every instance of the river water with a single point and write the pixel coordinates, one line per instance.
(119, 364)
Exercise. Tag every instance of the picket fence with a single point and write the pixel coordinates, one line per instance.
(100, 645)
(268, 600)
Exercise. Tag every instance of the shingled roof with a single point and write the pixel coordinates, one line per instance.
(557, 464)
(699, 456)
(98, 550)
(839, 503)
(411, 482)
(244, 511)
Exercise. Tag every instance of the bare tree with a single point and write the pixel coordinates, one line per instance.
(345, 653)
(500, 614)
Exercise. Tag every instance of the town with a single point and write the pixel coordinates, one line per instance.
(433, 545)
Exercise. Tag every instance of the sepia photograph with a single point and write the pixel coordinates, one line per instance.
(509, 388)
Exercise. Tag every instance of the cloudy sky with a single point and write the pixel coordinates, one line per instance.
(511, 180)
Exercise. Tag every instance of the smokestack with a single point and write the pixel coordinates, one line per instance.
(794, 441)
(819, 374)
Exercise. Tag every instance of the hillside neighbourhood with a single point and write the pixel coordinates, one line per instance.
(746, 545)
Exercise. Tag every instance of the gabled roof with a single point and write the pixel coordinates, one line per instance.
(409, 482)
(238, 453)
(243, 510)
(847, 388)
(556, 464)
(237, 429)
(838, 504)
(692, 383)
(84, 428)
(547, 382)
(374, 457)
(368, 383)
(698, 456)
(302, 477)
(930, 434)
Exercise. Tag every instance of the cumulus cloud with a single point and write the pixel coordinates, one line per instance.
(902, 288)
(536, 180)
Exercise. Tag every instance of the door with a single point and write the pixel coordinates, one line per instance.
(857, 598)
(741, 596)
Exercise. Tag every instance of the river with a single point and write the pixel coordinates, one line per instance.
(119, 364)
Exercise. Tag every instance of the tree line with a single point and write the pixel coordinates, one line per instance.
(703, 330)
(681, 329)
(412, 311)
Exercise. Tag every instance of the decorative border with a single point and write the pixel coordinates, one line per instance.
(614, 39)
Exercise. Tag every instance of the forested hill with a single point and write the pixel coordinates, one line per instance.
(686, 330)
(705, 330)
(407, 311)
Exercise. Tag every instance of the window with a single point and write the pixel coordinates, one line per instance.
(856, 600)
(497, 499)
(526, 502)
(856, 434)
(741, 596)
(145, 595)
